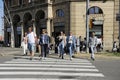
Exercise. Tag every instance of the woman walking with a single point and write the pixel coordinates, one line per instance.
(25, 44)
(62, 43)
(71, 44)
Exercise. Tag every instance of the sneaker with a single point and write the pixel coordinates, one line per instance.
(43, 58)
(31, 58)
(93, 58)
(26, 53)
(50, 53)
(39, 55)
(62, 57)
(59, 56)
(23, 55)
(64, 53)
(71, 59)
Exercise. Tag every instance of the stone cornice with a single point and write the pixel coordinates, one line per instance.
(24, 8)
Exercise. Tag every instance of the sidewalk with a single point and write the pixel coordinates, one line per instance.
(98, 56)
(5, 51)
(8, 51)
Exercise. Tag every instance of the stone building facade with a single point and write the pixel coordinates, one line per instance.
(116, 22)
(63, 15)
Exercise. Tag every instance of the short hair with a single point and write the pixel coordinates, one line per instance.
(31, 27)
(93, 32)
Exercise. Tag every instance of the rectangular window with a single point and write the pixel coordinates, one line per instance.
(35, 1)
(14, 2)
(25, 1)
(20, 2)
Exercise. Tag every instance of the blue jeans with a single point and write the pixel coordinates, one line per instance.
(31, 47)
(61, 49)
(92, 51)
(70, 45)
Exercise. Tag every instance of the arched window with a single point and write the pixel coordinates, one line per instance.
(95, 10)
(40, 15)
(59, 13)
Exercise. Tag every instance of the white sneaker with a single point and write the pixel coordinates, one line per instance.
(71, 58)
(64, 53)
(43, 58)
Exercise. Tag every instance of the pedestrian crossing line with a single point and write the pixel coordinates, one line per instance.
(34, 79)
(46, 69)
(26, 58)
(80, 63)
(48, 65)
(49, 69)
(53, 74)
(48, 60)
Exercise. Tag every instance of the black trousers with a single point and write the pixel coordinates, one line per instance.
(44, 50)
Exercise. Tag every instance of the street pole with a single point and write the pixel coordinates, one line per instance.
(119, 26)
(87, 25)
(11, 25)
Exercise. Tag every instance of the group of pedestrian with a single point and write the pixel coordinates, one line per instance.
(30, 41)
(65, 44)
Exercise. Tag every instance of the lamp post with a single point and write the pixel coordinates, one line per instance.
(118, 19)
(87, 25)
(11, 25)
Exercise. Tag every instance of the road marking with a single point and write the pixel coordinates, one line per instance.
(48, 65)
(53, 68)
(78, 63)
(34, 79)
(52, 73)
(46, 69)
(25, 58)
(48, 60)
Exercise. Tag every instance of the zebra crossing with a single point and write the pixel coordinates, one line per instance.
(49, 69)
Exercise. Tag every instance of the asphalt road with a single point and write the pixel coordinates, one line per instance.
(109, 67)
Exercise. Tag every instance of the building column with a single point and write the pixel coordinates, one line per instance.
(34, 28)
(22, 30)
(48, 27)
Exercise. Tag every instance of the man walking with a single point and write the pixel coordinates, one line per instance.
(93, 43)
(31, 38)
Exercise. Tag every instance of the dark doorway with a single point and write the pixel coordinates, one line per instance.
(40, 22)
(56, 33)
(27, 21)
(17, 30)
(57, 30)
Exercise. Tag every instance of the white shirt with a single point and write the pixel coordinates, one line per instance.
(31, 37)
(70, 39)
(93, 41)
(99, 41)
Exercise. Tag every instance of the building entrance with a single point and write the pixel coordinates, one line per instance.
(57, 30)
(98, 29)
(56, 33)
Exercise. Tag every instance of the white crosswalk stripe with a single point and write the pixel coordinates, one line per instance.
(49, 69)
